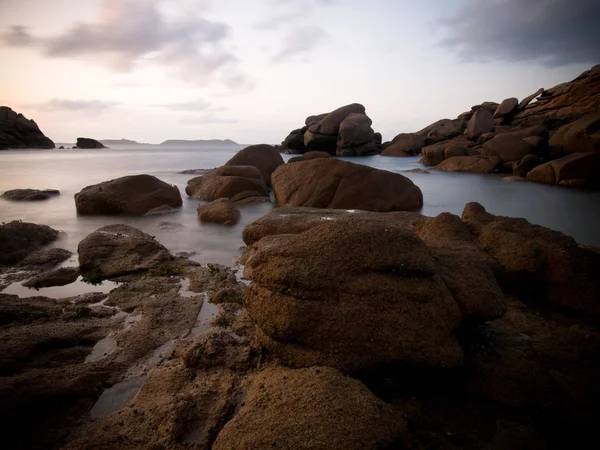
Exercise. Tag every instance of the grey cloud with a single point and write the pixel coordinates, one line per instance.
(550, 32)
(300, 40)
(133, 31)
(59, 104)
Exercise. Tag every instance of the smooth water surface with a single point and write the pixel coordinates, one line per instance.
(574, 212)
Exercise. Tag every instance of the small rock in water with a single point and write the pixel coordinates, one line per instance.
(20, 195)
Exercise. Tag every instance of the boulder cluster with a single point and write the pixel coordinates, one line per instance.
(344, 132)
(16, 131)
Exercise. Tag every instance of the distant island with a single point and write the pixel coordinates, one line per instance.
(200, 142)
(120, 142)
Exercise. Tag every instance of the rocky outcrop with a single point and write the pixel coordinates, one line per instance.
(16, 131)
(332, 183)
(507, 147)
(442, 130)
(473, 164)
(233, 182)
(88, 143)
(19, 239)
(221, 211)
(582, 135)
(405, 144)
(264, 157)
(134, 194)
(315, 408)
(117, 250)
(482, 122)
(508, 107)
(26, 195)
(433, 155)
(346, 132)
(308, 156)
(522, 167)
(576, 170)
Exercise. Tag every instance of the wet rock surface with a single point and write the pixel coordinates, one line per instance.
(221, 211)
(28, 195)
(20, 239)
(233, 182)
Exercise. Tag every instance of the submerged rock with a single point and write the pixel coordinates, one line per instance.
(317, 408)
(19, 239)
(30, 194)
(233, 182)
(134, 194)
(46, 257)
(332, 183)
(221, 211)
(117, 250)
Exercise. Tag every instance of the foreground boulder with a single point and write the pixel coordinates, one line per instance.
(19, 239)
(310, 290)
(221, 211)
(265, 158)
(117, 250)
(88, 143)
(28, 195)
(576, 170)
(16, 131)
(332, 183)
(233, 182)
(583, 135)
(536, 262)
(317, 408)
(134, 194)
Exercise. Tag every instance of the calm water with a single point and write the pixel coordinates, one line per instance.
(573, 212)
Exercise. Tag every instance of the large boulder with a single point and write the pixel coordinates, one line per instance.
(536, 262)
(308, 156)
(473, 164)
(117, 250)
(295, 141)
(264, 157)
(522, 167)
(490, 106)
(583, 135)
(134, 194)
(405, 144)
(355, 130)
(16, 131)
(310, 290)
(330, 124)
(316, 408)
(58, 277)
(481, 122)
(320, 142)
(507, 108)
(88, 143)
(507, 147)
(442, 130)
(221, 211)
(527, 100)
(576, 170)
(19, 239)
(332, 183)
(233, 182)
(432, 155)
(27, 195)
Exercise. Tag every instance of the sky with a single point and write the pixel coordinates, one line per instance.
(253, 70)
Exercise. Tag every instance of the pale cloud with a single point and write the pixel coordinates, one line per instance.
(209, 118)
(301, 40)
(193, 106)
(61, 104)
(551, 32)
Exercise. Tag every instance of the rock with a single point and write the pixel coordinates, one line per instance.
(61, 147)
(540, 145)
(536, 262)
(58, 277)
(117, 250)
(308, 156)
(577, 170)
(264, 157)
(195, 171)
(405, 144)
(564, 103)
(417, 170)
(454, 150)
(514, 179)
(295, 141)
(317, 408)
(134, 194)
(330, 124)
(481, 122)
(370, 148)
(332, 183)
(522, 167)
(232, 182)
(355, 130)
(490, 106)
(582, 135)
(19, 239)
(485, 137)
(29, 194)
(88, 143)
(473, 164)
(442, 130)
(435, 154)
(311, 120)
(507, 108)
(320, 142)
(46, 257)
(16, 131)
(161, 211)
(309, 291)
(507, 147)
(528, 99)
(221, 211)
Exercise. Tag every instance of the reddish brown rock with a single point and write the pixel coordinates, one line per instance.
(481, 122)
(221, 211)
(576, 170)
(308, 156)
(405, 144)
(508, 107)
(435, 154)
(522, 167)
(507, 147)
(232, 182)
(332, 183)
(264, 157)
(583, 135)
(473, 164)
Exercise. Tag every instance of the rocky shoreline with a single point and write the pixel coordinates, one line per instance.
(364, 326)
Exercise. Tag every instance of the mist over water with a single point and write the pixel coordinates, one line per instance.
(573, 212)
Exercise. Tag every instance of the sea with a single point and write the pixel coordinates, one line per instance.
(574, 212)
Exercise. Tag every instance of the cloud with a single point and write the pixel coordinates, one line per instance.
(550, 32)
(205, 119)
(193, 105)
(59, 104)
(132, 32)
(300, 40)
